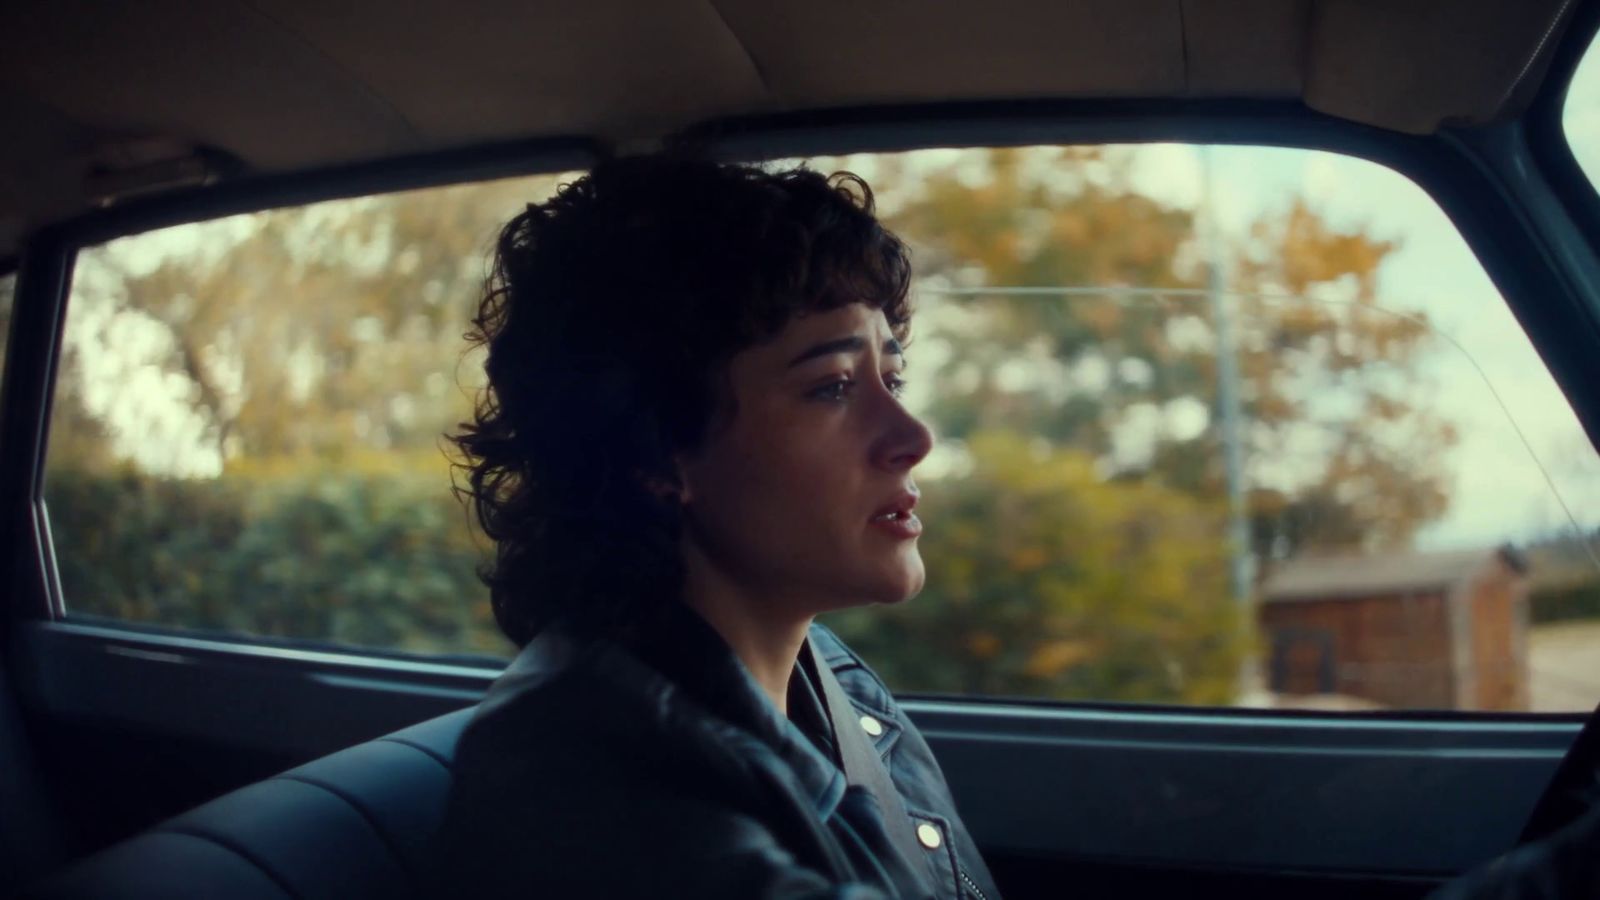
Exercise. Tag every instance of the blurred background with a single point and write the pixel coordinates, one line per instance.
(1218, 426)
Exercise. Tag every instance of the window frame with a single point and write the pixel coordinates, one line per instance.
(1546, 131)
(42, 298)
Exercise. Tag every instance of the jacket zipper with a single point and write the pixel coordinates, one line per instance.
(967, 879)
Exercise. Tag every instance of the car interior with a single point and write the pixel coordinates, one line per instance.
(138, 759)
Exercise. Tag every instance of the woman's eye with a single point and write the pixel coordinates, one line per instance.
(834, 390)
(840, 390)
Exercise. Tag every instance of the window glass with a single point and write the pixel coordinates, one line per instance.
(247, 434)
(1336, 476)
(1217, 426)
(1580, 119)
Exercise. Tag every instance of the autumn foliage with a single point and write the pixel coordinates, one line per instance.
(311, 359)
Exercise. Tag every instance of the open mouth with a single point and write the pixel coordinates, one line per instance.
(900, 509)
(899, 520)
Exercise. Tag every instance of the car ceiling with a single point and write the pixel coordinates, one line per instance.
(88, 87)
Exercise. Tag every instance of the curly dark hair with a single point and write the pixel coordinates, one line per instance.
(609, 316)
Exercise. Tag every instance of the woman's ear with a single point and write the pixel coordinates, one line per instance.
(663, 487)
(685, 494)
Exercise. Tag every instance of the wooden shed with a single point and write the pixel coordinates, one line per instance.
(1413, 631)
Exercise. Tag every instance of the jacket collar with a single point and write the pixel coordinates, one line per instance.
(685, 659)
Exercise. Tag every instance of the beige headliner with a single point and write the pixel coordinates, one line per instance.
(293, 84)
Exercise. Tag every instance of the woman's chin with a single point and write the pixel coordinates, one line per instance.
(883, 591)
(880, 582)
(906, 584)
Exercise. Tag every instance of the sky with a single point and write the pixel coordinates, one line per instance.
(1518, 434)
(1523, 462)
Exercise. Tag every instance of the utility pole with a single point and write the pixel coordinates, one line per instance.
(1241, 570)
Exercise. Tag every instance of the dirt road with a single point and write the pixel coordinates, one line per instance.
(1564, 666)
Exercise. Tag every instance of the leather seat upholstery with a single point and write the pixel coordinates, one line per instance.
(353, 824)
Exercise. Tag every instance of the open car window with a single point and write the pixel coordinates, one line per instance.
(1224, 427)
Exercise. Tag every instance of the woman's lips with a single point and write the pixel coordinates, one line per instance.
(903, 525)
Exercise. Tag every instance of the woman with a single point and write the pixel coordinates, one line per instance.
(692, 444)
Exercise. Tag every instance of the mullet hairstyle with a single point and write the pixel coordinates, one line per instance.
(609, 317)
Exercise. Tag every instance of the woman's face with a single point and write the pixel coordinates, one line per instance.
(804, 498)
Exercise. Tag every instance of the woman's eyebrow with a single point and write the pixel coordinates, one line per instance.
(851, 344)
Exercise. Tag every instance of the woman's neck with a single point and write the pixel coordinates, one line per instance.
(761, 634)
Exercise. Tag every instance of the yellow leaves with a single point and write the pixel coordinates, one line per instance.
(1300, 249)
(1070, 227)
(983, 645)
(1041, 215)
(1051, 659)
(1102, 318)
(1028, 559)
(1386, 409)
(1298, 320)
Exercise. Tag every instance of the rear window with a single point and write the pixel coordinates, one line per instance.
(248, 425)
(1223, 426)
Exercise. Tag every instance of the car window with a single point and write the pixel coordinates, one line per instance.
(1217, 426)
(1227, 426)
(1580, 118)
(247, 435)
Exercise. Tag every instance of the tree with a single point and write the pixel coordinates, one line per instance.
(319, 349)
(1379, 475)
(1076, 549)
(1046, 580)
(1344, 370)
(326, 327)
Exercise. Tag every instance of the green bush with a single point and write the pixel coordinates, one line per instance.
(1569, 601)
(1044, 580)
(378, 561)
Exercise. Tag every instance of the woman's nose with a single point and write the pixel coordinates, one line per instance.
(905, 440)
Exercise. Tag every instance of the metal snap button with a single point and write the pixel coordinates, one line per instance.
(871, 726)
(929, 836)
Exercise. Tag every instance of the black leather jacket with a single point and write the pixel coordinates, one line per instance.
(592, 770)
